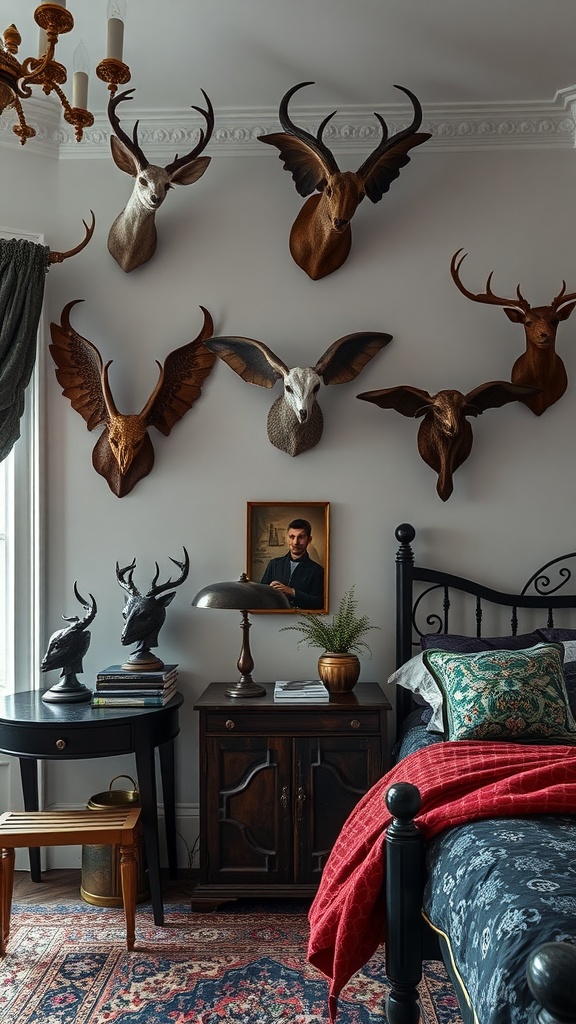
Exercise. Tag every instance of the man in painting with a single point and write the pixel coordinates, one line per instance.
(295, 573)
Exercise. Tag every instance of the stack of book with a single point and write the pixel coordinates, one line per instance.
(294, 690)
(117, 687)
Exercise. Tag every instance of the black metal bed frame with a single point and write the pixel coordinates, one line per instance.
(552, 968)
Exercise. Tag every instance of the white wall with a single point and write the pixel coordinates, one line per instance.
(223, 243)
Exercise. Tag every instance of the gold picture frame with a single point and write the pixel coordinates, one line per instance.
(266, 527)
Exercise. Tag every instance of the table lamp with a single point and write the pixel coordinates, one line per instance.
(244, 596)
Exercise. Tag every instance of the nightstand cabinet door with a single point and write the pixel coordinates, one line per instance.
(248, 824)
(332, 774)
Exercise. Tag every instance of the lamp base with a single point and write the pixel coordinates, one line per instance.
(245, 688)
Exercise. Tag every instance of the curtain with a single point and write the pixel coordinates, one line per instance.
(23, 268)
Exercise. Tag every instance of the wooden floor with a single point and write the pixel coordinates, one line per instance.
(63, 885)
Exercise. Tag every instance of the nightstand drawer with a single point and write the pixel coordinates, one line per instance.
(309, 721)
(66, 742)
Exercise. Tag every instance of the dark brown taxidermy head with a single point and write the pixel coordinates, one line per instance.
(321, 235)
(123, 453)
(539, 365)
(445, 436)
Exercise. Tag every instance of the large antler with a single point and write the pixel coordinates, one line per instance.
(314, 142)
(203, 141)
(387, 143)
(131, 143)
(162, 587)
(487, 296)
(124, 577)
(561, 299)
(59, 257)
(91, 609)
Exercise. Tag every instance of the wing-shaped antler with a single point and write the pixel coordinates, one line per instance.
(383, 166)
(181, 379)
(494, 394)
(306, 156)
(404, 399)
(252, 360)
(346, 357)
(79, 369)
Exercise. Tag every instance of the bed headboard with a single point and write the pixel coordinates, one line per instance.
(421, 609)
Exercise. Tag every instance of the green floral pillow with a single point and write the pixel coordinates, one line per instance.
(504, 695)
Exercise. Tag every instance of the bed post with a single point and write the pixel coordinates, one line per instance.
(404, 871)
(550, 975)
(405, 534)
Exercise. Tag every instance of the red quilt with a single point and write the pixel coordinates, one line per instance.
(459, 781)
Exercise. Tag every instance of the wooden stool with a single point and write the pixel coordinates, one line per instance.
(117, 826)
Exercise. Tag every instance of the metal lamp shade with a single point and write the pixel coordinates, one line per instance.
(244, 596)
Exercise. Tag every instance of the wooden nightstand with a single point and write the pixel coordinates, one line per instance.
(276, 785)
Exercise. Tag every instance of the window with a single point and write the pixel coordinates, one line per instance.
(19, 547)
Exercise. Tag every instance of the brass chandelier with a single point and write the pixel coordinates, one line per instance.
(17, 78)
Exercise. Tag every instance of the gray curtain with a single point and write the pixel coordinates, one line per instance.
(23, 267)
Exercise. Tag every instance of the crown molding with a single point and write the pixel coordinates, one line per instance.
(453, 126)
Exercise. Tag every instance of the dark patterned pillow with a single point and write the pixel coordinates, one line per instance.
(504, 695)
(471, 644)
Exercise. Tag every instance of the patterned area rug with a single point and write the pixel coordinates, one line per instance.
(244, 964)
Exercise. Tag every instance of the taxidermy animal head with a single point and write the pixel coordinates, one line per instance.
(59, 257)
(123, 453)
(144, 614)
(67, 647)
(539, 365)
(132, 237)
(321, 235)
(445, 436)
(295, 420)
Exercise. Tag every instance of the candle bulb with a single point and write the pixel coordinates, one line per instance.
(116, 15)
(42, 42)
(80, 77)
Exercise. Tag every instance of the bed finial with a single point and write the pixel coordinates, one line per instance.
(550, 976)
(405, 533)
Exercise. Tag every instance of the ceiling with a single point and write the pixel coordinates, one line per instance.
(247, 53)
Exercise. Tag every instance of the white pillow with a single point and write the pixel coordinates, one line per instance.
(569, 650)
(413, 675)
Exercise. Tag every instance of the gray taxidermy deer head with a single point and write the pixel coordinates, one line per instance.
(144, 614)
(445, 436)
(132, 237)
(540, 365)
(321, 235)
(295, 419)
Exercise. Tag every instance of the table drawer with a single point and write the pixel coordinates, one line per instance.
(65, 741)
(299, 722)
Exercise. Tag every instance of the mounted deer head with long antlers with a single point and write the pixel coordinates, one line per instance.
(445, 436)
(132, 237)
(123, 454)
(321, 235)
(540, 365)
(295, 420)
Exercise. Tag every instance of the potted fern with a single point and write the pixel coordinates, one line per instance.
(341, 640)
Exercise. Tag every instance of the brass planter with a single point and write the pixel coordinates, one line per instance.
(339, 672)
(100, 882)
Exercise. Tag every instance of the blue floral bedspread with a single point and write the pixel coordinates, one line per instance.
(498, 889)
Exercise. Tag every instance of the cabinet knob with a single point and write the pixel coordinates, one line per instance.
(61, 744)
(355, 724)
(229, 724)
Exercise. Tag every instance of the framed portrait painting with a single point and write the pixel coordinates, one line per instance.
(288, 547)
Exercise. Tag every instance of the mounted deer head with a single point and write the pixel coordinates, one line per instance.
(321, 235)
(295, 420)
(59, 257)
(123, 454)
(144, 614)
(445, 436)
(132, 237)
(540, 365)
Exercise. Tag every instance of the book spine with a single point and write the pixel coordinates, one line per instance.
(131, 680)
(128, 702)
(134, 694)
